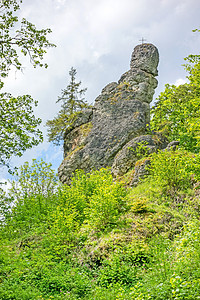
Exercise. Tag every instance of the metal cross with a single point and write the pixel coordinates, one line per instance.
(142, 40)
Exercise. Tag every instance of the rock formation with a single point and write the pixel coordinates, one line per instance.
(134, 150)
(100, 136)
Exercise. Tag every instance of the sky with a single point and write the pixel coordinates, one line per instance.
(97, 38)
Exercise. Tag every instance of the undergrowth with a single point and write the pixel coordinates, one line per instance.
(99, 239)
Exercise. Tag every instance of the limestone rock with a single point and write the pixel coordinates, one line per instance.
(173, 145)
(134, 150)
(120, 113)
(142, 166)
(145, 58)
(141, 171)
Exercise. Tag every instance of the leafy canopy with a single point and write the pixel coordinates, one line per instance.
(73, 102)
(18, 125)
(26, 39)
(177, 109)
(34, 179)
(30, 199)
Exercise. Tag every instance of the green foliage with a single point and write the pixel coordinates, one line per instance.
(187, 247)
(106, 201)
(72, 104)
(91, 198)
(139, 205)
(26, 38)
(30, 199)
(18, 126)
(177, 109)
(136, 292)
(141, 149)
(5, 205)
(116, 271)
(96, 240)
(175, 170)
(35, 179)
(176, 114)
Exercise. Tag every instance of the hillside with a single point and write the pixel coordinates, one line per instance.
(129, 230)
(121, 220)
(102, 239)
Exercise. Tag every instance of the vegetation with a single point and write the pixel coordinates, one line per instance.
(18, 125)
(177, 109)
(98, 238)
(72, 104)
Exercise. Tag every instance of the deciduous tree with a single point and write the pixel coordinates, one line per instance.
(18, 125)
(34, 179)
(177, 109)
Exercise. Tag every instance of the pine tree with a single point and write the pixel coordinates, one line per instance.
(73, 102)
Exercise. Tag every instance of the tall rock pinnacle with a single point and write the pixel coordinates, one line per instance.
(146, 58)
(120, 113)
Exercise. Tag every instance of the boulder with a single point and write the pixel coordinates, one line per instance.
(134, 150)
(142, 167)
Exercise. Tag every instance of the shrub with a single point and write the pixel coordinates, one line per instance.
(94, 198)
(139, 205)
(174, 170)
(116, 271)
(31, 198)
(35, 179)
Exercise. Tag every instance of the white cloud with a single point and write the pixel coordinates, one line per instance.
(180, 81)
(97, 38)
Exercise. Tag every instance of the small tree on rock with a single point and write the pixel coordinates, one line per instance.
(73, 102)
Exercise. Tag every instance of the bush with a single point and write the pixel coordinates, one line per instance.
(139, 205)
(35, 179)
(175, 170)
(116, 271)
(31, 198)
(93, 198)
(106, 205)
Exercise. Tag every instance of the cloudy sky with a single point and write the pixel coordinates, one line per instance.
(97, 38)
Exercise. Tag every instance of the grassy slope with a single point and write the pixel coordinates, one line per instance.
(148, 250)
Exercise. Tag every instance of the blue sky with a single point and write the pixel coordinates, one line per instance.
(97, 38)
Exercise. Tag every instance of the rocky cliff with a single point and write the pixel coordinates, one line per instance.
(101, 136)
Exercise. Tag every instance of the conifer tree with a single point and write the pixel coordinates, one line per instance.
(72, 103)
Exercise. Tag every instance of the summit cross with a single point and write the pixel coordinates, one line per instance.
(142, 40)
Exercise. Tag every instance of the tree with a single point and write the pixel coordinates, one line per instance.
(177, 109)
(72, 104)
(18, 126)
(35, 179)
(26, 39)
(30, 200)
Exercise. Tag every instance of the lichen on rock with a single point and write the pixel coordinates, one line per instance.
(120, 113)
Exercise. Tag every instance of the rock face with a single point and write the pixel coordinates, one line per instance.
(134, 150)
(120, 114)
(142, 166)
